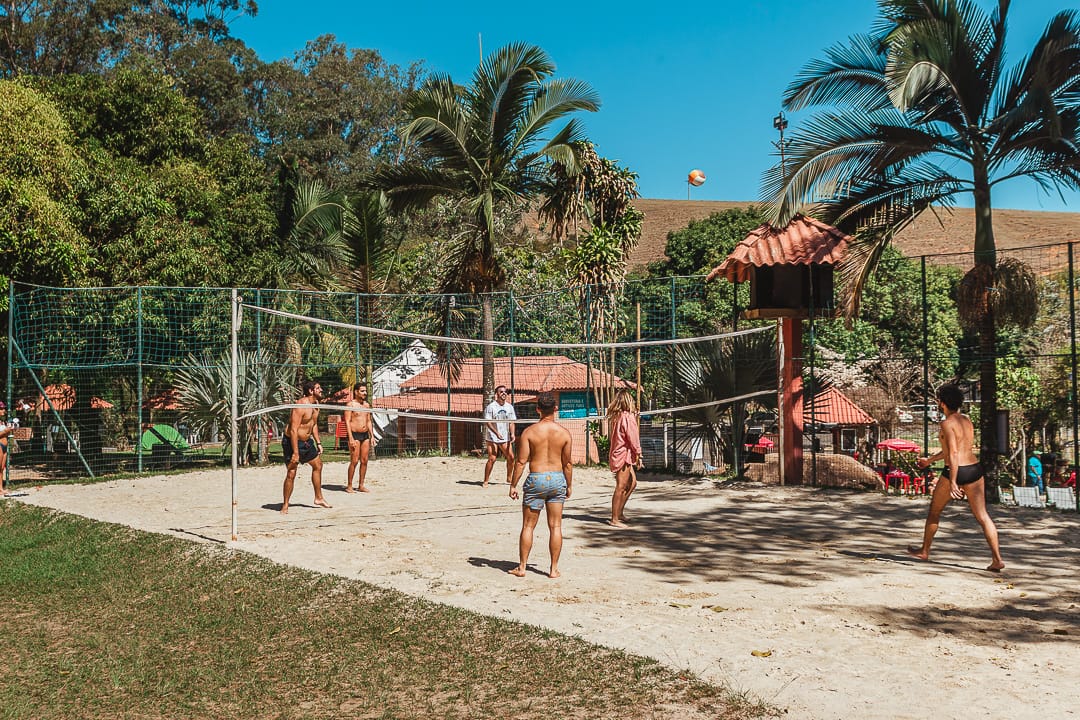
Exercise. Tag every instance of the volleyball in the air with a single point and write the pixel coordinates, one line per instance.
(696, 178)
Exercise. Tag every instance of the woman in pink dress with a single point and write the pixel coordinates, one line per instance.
(625, 452)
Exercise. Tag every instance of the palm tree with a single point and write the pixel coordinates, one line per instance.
(204, 388)
(484, 146)
(920, 112)
(715, 370)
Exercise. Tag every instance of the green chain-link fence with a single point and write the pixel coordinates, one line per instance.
(107, 380)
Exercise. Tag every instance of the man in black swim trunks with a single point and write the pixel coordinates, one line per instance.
(962, 477)
(300, 443)
(358, 425)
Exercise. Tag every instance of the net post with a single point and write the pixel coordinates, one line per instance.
(674, 427)
(139, 374)
(233, 399)
(1072, 357)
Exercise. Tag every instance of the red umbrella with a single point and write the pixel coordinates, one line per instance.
(898, 444)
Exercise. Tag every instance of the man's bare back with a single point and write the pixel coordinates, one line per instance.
(957, 438)
(545, 446)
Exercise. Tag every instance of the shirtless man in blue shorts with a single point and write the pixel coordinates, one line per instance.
(546, 447)
(300, 443)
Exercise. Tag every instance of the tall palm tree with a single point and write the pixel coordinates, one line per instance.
(486, 146)
(919, 112)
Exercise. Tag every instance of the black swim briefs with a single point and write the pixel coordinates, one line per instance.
(965, 474)
(361, 436)
(307, 448)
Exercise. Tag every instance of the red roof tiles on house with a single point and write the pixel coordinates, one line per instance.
(531, 375)
(805, 241)
(421, 401)
(832, 407)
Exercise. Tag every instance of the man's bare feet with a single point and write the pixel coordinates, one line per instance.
(350, 489)
(484, 485)
(284, 509)
(554, 574)
(517, 572)
(995, 567)
(916, 552)
(364, 488)
(617, 524)
(322, 503)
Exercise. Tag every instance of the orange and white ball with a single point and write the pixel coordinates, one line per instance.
(696, 178)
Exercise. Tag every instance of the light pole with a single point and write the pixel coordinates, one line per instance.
(780, 123)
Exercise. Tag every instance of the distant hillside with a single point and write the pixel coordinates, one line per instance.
(948, 232)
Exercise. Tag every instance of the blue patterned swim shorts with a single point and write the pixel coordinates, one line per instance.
(543, 487)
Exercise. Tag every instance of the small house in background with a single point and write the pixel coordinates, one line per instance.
(430, 392)
(834, 412)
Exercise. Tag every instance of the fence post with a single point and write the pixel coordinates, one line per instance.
(513, 338)
(588, 371)
(926, 358)
(139, 374)
(1072, 357)
(813, 386)
(10, 338)
(356, 344)
(449, 300)
(674, 427)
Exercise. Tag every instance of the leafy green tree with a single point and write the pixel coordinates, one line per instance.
(331, 109)
(40, 239)
(484, 146)
(164, 203)
(924, 110)
(704, 244)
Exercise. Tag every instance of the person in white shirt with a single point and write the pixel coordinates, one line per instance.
(499, 433)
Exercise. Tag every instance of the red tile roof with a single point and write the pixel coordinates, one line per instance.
(832, 407)
(805, 241)
(532, 374)
(461, 403)
(62, 398)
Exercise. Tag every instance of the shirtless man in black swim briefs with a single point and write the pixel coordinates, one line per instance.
(962, 477)
(546, 447)
(358, 425)
(300, 443)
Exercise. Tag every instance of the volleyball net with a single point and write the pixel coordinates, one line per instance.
(428, 389)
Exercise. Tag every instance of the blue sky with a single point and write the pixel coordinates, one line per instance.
(684, 86)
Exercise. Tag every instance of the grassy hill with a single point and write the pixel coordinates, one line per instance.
(951, 231)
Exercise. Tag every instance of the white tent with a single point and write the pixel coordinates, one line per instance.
(387, 379)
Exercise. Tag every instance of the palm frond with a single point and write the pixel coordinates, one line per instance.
(411, 186)
(553, 101)
(851, 74)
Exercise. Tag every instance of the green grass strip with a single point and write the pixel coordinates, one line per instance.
(98, 620)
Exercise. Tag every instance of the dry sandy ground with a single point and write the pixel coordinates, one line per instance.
(706, 577)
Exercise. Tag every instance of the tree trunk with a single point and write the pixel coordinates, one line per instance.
(488, 328)
(988, 454)
(986, 254)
